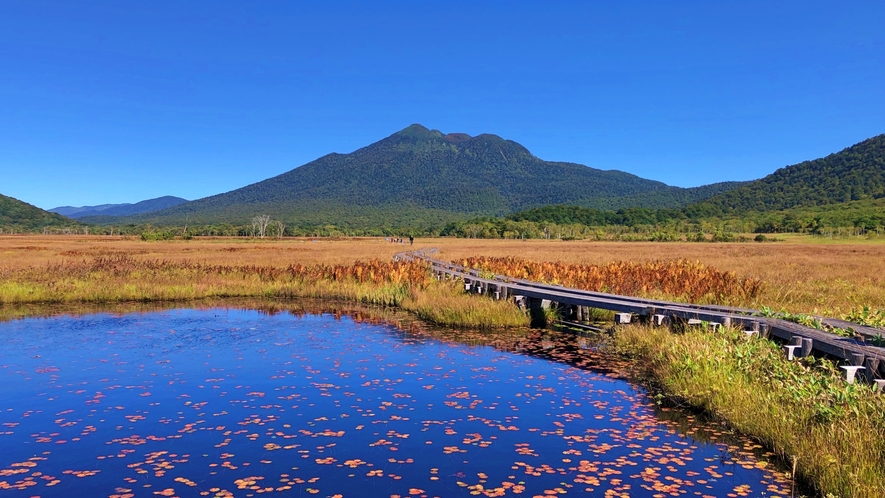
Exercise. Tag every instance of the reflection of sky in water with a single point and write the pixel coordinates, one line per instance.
(236, 403)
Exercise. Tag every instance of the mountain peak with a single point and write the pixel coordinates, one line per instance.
(418, 131)
(456, 138)
(416, 176)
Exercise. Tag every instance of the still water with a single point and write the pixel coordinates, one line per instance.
(234, 402)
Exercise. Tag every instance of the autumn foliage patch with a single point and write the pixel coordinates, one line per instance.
(678, 278)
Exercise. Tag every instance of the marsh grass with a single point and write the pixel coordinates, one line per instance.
(599, 315)
(801, 409)
(445, 302)
(803, 275)
(123, 278)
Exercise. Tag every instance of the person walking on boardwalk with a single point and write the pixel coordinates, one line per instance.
(411, 240)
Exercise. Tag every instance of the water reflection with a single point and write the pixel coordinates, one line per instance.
(233, 402)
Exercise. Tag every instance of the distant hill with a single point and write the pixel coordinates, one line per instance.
(143, 207)
(854, 174)
(71, 211)
(16, 214)
(419, 177)
(669, 197)
(567, 215)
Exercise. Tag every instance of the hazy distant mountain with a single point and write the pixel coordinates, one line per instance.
(143, 207)
(71, 211)
(421, 176)
(853, 174)
(21, 215)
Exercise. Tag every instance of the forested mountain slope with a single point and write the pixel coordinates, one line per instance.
(667, 198)
(21, 215)
(424, 176)
(853, 174)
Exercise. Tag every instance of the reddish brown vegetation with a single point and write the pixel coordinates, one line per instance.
(677, 278)
(123, 265)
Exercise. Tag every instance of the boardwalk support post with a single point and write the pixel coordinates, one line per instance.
(857, 359)
(806, 346)
(797, 341)
(871, 366)
(585, 310)
(764, 330)
(537, 309)
(850, 370)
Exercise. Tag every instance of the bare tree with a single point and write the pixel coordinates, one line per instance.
(259, 224)
(281, 228)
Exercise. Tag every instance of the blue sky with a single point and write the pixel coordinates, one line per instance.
(107, 102)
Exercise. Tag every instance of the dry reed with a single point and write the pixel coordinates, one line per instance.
(118, 277)
(803, 275)
(679, 279)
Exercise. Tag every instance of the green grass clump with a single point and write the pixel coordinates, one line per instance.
(445, 303)
(800, 409)
(865, 315)
(806, 320)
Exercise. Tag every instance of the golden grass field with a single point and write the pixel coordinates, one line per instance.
(800, 275)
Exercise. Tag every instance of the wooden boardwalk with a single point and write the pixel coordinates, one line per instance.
(801, 340)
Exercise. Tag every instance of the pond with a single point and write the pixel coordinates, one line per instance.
(238, 402)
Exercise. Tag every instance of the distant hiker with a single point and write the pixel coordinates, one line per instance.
(411, 240)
